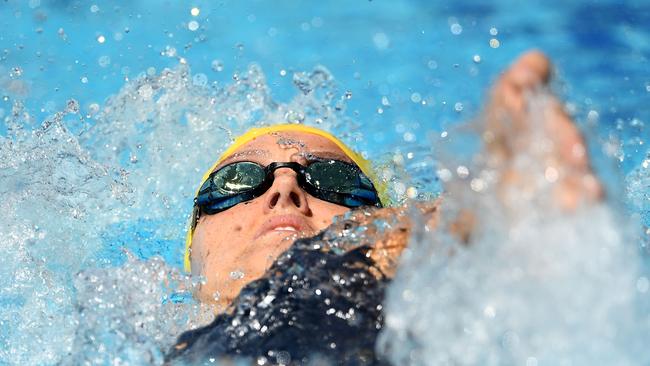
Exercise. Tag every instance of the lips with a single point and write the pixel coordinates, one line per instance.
(284, 224)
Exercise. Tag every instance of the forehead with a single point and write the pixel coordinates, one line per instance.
(276, 143)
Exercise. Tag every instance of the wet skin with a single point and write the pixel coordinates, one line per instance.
(236, 246)
(250, 236)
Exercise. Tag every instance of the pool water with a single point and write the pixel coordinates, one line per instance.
(112, 110)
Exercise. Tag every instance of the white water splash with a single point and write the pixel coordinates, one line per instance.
(534, 286)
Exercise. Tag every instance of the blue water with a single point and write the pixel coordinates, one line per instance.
(120, 174)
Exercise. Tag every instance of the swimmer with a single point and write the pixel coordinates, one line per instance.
(280, 183)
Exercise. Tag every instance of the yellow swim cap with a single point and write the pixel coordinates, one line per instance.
(254, 133)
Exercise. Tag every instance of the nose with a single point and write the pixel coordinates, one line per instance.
(285, 193)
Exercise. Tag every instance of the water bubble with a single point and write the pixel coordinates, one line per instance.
(408, 136)
(33, 4)
(348, 94)
(84, 79)
(494, 31)
(416, 97)
(94, 8)
(272, 32)
(458, 107)
(647, 87)
(217, 65)
(104, 61)
(494, 43)
(193, 25)
(456, 29)
(381, 41)
(151, 71)
(476, 59)
(385, 102)
(16, 72)
(283, 72)
(200, 79)
(432, 64)
(305, 26)
(118, 36)
(251, 18)
(195, 12)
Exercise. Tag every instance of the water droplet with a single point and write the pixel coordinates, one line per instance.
(193, 25)
(381, 41)
(456, 29)
(494, 43)
(72, 106)
(104, 61)
(16, 72)
(411, 192)
(217, 65)
(317, 22)
(642, 284)
(195, 12)
(462, 171)
(145, 91)
(236, 275)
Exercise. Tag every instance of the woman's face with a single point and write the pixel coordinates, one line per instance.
(236, 246)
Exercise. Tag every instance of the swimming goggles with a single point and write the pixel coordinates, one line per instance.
(333, 181)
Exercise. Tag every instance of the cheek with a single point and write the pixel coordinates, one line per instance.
(324, 213)
(214, 236)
